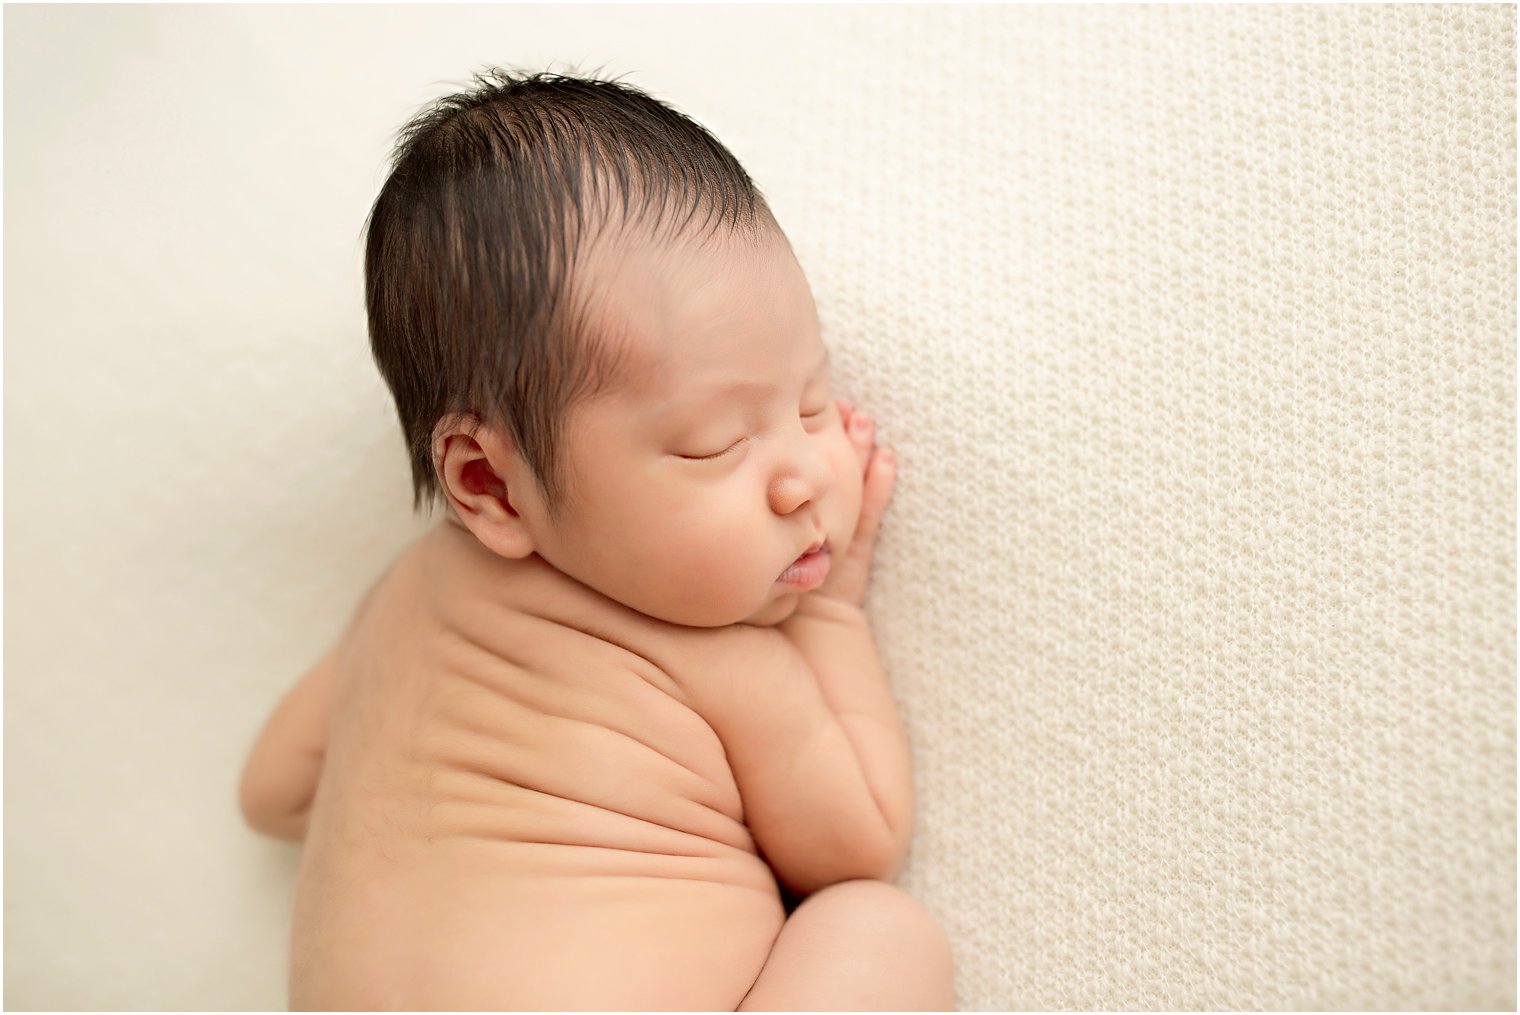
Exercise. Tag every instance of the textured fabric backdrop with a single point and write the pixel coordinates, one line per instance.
(1194, 327)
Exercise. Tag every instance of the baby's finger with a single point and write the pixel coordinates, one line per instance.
(850, 576)
(880, 479)
(861, 429)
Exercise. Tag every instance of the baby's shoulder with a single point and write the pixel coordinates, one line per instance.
(448, 584)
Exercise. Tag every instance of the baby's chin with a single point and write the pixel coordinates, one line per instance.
(770, 613)
(774, 612)
(697, 604)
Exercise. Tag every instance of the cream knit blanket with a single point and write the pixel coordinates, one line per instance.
(1194, 328)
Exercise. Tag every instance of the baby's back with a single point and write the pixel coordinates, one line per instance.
(518, 808)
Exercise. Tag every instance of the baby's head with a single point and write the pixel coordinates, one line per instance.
(603, 352)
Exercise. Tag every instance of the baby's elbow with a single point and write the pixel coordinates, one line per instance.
(876, 851)
(881, 859)
(879, 850)
(264, 810)
(865, 857)
(275, 824)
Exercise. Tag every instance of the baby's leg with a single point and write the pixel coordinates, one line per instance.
(857, 946)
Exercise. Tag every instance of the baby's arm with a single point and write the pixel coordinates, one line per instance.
(814, 738)
(280, 777)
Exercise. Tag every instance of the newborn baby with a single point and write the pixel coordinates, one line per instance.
(576, 734)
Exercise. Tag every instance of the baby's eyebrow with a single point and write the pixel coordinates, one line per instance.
(731, 390)
(727, 392)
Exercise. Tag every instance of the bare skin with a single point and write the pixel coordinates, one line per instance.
(519, 792)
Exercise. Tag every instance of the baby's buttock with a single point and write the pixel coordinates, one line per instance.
(534, 926)
(518, 842)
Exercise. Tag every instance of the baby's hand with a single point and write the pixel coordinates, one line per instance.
(851, 570)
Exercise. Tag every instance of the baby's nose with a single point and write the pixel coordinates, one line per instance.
(802, 484)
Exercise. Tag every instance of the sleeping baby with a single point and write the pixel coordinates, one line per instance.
(582, 734)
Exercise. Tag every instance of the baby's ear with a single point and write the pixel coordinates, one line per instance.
(486, 481)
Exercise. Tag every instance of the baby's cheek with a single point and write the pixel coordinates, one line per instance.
(708, 575)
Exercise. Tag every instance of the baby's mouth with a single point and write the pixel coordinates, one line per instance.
(809, 570)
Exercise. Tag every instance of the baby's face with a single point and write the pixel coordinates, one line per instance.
(716, 458)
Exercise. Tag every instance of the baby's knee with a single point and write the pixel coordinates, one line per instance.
(898, 922)
(878, 899)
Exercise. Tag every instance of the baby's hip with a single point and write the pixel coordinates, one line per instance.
(465, 938)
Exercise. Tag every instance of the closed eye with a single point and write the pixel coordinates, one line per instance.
(716, 454)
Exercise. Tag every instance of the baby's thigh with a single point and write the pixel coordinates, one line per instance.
(855, 946)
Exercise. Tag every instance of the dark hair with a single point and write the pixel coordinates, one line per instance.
(472, 240)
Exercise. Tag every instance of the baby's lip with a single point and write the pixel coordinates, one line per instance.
(810, 569)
